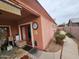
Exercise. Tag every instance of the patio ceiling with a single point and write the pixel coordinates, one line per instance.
(10, 16)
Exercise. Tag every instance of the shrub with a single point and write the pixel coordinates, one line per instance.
(59, 38)
(69, 35)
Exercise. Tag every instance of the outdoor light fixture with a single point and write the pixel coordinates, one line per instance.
(35, 26)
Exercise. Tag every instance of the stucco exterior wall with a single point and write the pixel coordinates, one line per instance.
(14, 30)
(48, 30)
(37, 34)
(12, 24)
(34, 5)
(45, 31)
(74, 30)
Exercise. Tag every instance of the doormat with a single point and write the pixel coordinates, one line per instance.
(27, 48)
(30, 49)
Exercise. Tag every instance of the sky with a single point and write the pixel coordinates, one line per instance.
(61, 10)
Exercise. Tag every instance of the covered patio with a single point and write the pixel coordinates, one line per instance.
(15, 23)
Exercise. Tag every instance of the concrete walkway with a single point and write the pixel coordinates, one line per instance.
(70, 49)
(47, 55)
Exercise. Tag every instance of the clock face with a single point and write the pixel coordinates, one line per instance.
(35, 25)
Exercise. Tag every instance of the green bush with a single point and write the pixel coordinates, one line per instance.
(69, 35)
(59, 38)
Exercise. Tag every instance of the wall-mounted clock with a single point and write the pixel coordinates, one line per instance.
(35, 25)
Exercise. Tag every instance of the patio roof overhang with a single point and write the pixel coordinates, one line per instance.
(19, 3)
(8, 7)
(11, 13)
(8, 16)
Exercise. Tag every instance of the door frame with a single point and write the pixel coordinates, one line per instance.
(32, 38)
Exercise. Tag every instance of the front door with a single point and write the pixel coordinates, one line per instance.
(26, 33)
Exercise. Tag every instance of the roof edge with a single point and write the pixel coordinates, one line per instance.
(47, 12)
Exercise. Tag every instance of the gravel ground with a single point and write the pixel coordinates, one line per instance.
(53, 47)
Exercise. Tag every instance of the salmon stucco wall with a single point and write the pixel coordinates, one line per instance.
(47, 31)
(38, 34)
(14, 30)
(12, 24)
(35, 6)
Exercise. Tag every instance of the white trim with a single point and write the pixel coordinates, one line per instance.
(8, 27)
(31, 32)
(19, 32)
(10, 30)
(32, 35)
